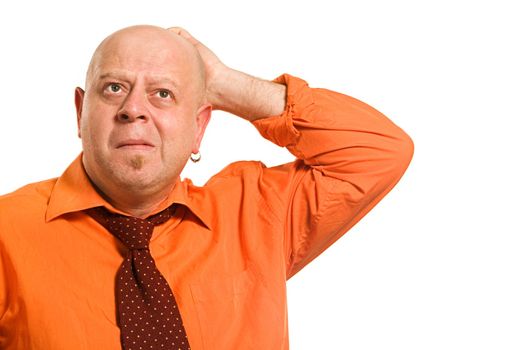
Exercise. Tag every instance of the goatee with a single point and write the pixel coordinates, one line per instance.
(137, 162)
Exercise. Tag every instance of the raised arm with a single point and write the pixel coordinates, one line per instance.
(236, 92)
(349, 155)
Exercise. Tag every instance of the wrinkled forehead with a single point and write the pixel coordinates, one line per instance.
(157, 53)
(140, 61)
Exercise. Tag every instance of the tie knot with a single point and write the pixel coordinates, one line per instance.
(134, 233)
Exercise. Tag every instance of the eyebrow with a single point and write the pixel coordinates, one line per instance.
(163, 80)
(115, 75)
(121, 75)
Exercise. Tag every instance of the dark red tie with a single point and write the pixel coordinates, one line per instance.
(148, 315)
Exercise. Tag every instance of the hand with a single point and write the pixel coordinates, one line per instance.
(213, 66)
(233, 91)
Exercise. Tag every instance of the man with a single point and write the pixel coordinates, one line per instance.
(213, 273)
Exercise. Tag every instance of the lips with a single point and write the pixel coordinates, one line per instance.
(135, 144)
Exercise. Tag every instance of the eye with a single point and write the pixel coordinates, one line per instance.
(164, 94)
(114, 87)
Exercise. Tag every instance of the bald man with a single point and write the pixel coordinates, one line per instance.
(120, 253)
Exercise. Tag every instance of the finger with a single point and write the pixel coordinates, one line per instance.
(185, 34)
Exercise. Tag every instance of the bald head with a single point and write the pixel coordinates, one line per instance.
(148, 46)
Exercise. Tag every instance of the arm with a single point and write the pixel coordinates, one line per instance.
(236, 92)
(349, 155)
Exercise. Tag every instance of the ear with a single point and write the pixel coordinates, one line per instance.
(79, 100)
(202, 119)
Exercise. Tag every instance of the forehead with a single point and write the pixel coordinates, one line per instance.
(153, 57)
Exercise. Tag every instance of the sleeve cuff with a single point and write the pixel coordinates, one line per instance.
(280, 129)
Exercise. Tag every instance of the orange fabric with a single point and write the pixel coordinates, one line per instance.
(228, 251)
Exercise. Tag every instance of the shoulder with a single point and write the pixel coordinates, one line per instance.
(247, 184)
(237, 171)
(229, 189)
(27, 199)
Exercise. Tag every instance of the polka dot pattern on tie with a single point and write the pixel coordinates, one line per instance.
(148, 315)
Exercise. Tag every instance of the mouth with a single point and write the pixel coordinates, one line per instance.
(135, 144)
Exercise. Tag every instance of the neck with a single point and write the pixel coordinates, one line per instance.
(136, 208)
(139, 204)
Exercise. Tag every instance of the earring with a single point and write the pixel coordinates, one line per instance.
(195, 157)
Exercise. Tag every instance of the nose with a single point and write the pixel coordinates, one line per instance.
(134, 107)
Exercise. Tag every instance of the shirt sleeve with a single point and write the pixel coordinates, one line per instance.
(349, 156)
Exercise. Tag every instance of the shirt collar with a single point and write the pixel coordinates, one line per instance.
(74, 192)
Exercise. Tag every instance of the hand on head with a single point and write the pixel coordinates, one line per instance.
(216, 71)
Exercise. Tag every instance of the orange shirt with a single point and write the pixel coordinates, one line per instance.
(229, 249)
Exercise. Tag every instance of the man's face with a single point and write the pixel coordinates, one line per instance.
(142, 113)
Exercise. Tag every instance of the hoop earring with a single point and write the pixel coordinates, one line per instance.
(195, 157)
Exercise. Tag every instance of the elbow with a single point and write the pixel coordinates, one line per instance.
(406, 150)
(403, 153)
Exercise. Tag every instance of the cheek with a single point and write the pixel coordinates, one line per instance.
(178, 134)
(95, 126)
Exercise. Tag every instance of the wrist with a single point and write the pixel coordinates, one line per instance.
(217, 85)
(246, 96)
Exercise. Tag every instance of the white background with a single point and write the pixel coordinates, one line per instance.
(440, 262)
